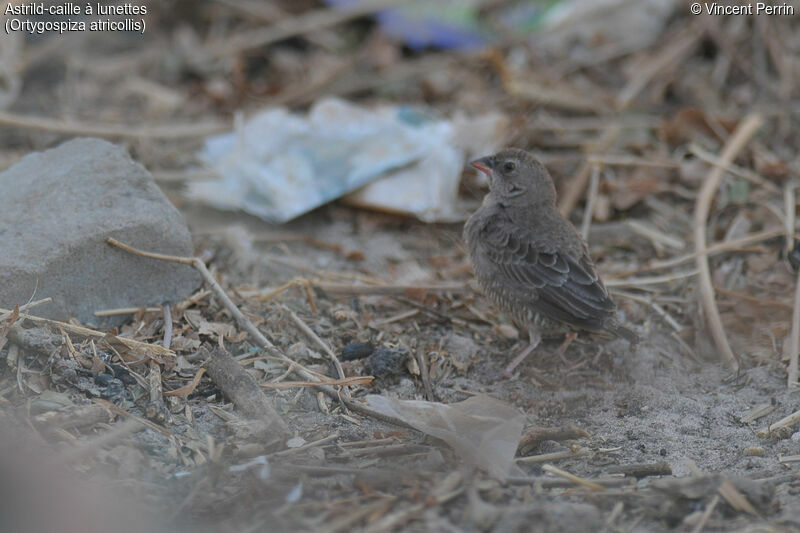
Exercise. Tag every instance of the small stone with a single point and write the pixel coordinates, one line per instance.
(385, 363)
(357, 350)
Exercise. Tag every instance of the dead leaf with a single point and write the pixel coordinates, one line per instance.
(186, 390)
(183, 343)
(687, 125)
(642, 183)
(217, 329)
(770, 166)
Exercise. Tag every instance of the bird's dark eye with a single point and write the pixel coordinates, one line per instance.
(509, 166)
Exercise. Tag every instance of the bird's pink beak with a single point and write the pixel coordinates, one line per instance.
(484, 164)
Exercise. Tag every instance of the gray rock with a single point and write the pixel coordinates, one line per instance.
(56, 210)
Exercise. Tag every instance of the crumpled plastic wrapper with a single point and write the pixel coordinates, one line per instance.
(484, 431)
(279, 165)
(428, 189)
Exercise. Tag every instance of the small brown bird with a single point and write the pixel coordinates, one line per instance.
(531, 261)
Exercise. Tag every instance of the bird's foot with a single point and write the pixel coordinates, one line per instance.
(559, 352)
(509, 370)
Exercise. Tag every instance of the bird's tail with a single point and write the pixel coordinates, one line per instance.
(625, 333)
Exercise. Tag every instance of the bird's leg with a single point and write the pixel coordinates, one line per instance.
(535, 339)
(571, 336)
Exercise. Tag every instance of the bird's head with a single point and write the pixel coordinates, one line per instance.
(515, 176)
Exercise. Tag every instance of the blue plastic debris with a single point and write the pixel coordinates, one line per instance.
(591, 24)
(448, 24)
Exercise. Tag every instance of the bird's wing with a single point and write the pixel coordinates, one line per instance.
(557, 284)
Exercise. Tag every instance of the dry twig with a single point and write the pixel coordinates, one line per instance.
(256, 335)
(627, 160)
(794, 340)
(422, 361)
(714, 249)
(677, 49)
(344, 382)
(784, 422)
(242, 389)
(572, 477)
(594, 186)
(793, 346)
(72, 127)
(150, 350)
(24, 308)
(577, 185)
(744, 131)
(322, 344)
(642, 469)
(658, 238)
(223, 373)
(554, 456)
(747, 174)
